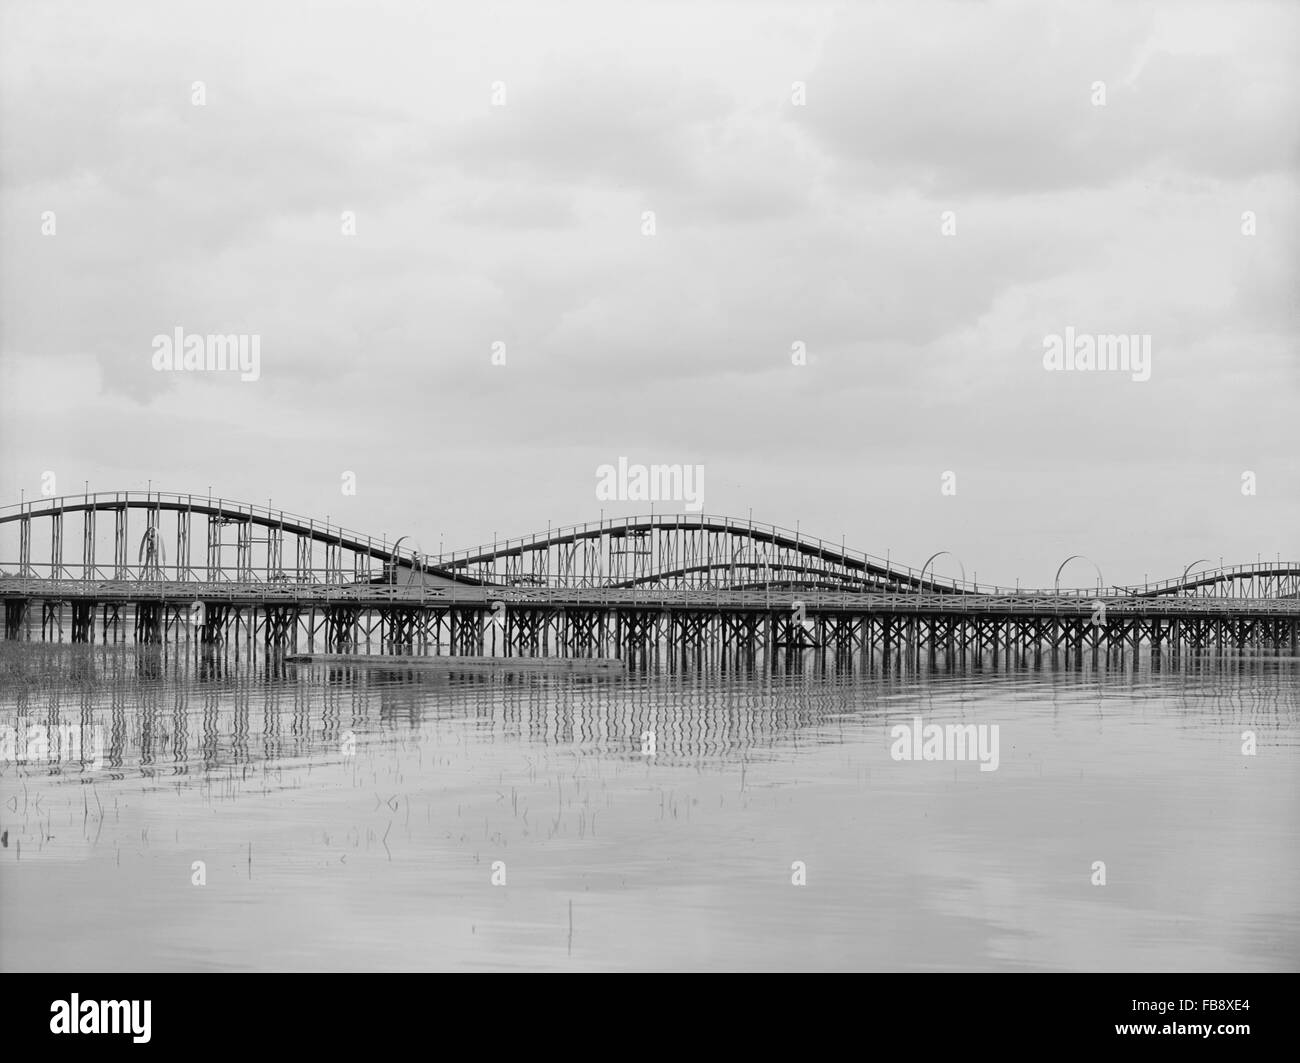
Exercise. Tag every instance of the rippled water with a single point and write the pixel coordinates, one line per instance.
(614, 859)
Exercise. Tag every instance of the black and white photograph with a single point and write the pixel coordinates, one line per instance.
(629, 487)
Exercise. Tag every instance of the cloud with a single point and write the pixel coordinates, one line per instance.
(775, 224)
(1000, 99)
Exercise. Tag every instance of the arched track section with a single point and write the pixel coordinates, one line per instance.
(691, 550)
(1267, 579)
(157, 535)
(133, 535)
(687, 551)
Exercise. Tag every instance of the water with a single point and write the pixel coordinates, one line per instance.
(613, 859)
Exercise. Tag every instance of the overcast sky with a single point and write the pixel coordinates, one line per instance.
(776, 222)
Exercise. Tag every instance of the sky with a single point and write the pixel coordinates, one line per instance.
(815, 250)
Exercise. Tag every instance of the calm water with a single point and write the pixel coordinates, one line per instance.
(613, 859)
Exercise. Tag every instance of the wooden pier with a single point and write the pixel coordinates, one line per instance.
(667, 588)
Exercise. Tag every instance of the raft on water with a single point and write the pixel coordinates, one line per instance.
(456, 664)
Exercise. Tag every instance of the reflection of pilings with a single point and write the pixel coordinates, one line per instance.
(117, 735)
(204, 707)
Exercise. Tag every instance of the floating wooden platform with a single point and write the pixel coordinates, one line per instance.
(602, 665)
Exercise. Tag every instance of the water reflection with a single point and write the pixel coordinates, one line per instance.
(171, 710)
(386, 795)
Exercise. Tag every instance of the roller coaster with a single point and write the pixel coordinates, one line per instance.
(599, 588)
